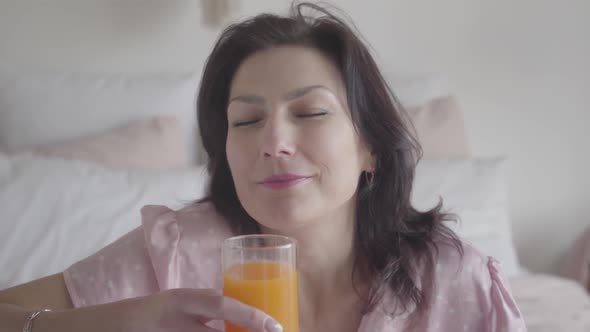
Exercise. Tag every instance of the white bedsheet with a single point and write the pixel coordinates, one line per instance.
(552, 304)
(55, 212)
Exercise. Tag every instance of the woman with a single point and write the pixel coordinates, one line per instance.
(304, 139)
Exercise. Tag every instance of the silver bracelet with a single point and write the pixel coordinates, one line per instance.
(29, 324)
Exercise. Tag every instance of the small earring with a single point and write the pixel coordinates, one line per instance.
(370, 179)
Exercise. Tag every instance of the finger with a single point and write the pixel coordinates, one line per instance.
(246, 316)
(210, 305)
(205, 328)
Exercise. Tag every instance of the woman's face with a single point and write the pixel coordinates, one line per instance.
(293, 151)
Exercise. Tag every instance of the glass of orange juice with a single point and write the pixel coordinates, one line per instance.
(261, 270)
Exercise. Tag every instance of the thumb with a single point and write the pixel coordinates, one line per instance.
(211, 305)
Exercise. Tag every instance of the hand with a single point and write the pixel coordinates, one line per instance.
(175, 310)
(189, 310)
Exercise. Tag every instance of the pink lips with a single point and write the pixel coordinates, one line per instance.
(282, 181)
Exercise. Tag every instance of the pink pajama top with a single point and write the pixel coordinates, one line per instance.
(182, 249)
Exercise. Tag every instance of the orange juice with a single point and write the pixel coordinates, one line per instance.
(268, 286)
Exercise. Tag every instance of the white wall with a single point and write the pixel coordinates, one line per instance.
(521, 70)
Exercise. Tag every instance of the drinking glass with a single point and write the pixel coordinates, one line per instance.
(261, 270)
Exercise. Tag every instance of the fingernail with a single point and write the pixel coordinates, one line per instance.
(271, 325)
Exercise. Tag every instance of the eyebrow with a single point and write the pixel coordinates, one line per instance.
(297, 93)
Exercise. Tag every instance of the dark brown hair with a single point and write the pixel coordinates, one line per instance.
(392, 238)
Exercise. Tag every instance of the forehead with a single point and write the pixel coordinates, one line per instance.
(275, 71)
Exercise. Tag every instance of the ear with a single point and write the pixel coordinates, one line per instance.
(369, 158)
(370, 161)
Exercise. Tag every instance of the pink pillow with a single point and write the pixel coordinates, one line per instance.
(155, 143)
(440, 128)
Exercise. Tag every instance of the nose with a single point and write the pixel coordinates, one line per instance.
(277, 139)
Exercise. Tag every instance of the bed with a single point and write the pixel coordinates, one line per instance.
(551, 303)
(80, 154)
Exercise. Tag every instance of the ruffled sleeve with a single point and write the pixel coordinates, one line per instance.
(172, 249)
(162, 236)
(504, 314)
(185, 246)
(469, 293)
(121, 270)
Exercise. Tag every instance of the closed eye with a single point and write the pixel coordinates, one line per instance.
(301, 115)
(244, 123)
(311, 115)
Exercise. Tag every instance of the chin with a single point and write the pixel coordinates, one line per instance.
(283, 219)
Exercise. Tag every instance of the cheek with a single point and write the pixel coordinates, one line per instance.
(336, 148)
(237, 155)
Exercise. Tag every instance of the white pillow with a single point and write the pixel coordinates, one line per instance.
(55, 212)
(475, 190)
(40, 108)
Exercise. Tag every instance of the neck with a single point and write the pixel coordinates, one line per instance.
(325, 260)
